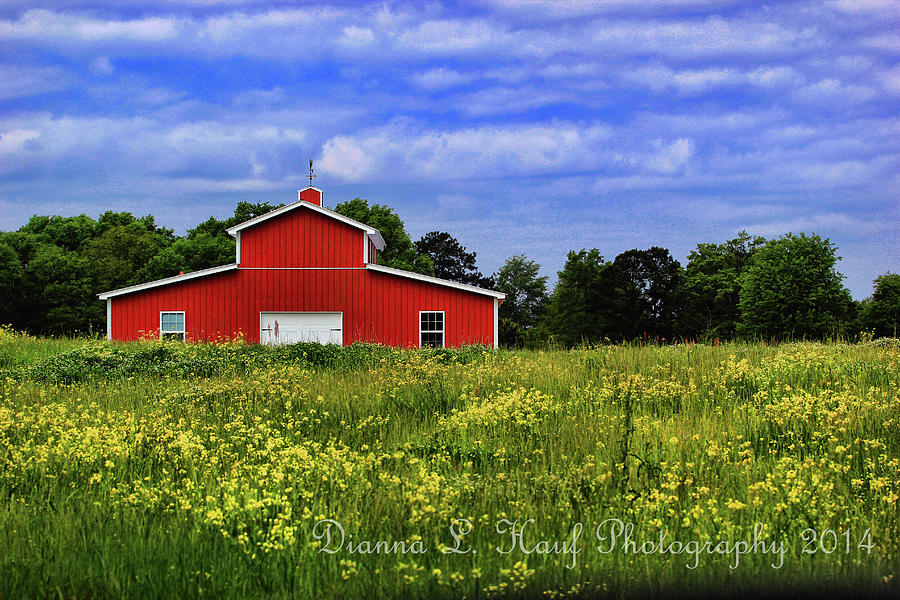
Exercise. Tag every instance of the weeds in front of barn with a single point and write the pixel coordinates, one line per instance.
(171, 470)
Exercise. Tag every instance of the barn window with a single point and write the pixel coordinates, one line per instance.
(171, 325)
(431, 329)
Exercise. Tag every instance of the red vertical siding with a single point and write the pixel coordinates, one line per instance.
(377, 307)
(305, 261)
(301, 238)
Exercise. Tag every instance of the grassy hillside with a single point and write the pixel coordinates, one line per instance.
(170, 470)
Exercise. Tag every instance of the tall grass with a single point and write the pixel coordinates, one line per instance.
(167, 470)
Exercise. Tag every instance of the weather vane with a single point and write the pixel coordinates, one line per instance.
(310, 176)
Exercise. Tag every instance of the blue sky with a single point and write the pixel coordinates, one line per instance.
(518, 126)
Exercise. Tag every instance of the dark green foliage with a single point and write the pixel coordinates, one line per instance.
(188, 254)
(637, 296)
(579, 307)
(450, 259)
(791, 290)
(57, 291)
(54, 267)
(510, 333)
(650, 286)
(526, 298)
(118, 253)
(880, 314)
(104, 360)
(11, 276)
(399, 252)
(70, 233)
(712, 286)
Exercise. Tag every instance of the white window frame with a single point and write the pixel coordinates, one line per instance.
(442, 331)
(183, 331)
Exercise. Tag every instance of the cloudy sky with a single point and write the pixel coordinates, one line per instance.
(519, 126)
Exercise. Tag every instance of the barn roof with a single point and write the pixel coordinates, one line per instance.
(373, 233)
(166, 281)
(436, 280)
(378, 268)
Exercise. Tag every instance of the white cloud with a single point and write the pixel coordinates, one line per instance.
(440, 78)
(14, 141)
(830, 90)
(671, 158)
(772, 76)
(102, 66)
(823, 224)
(43, 24)
(483, 152)
(352, 159)
(452, 35)
(356, 37)
(699, 37)
(22, 81)
(697, 81)
(37, 144)
(236, 25)
(890, 78)
(509, 100)
(864, 6)
(885, 41)
(534, 10)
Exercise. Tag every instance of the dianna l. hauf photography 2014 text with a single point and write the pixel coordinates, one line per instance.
(611, 536)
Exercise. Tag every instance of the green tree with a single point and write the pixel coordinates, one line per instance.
(58, 291)
(11, 273)
(145, 224)
(650, 285)
(399, 252)
(451, 261)
(526, 295)
(206, 245)
(791, 289)
(70, 233)
(712, 285)
(244, 211)
(115, 257)
(577, 311)
(881, 312)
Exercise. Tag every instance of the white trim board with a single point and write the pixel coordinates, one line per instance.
(435, 280)
(166, 281)
(372, 233)
(496, 322)
(370, 266)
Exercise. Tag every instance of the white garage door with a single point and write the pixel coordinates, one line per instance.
(286, 328)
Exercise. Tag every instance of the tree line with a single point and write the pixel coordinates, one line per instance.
(746, 288)
(52, 267)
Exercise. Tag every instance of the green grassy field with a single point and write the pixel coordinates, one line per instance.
(193, 471)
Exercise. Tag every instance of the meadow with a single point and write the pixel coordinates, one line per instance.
(170, 470)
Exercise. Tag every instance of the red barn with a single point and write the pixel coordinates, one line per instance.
(306, 273)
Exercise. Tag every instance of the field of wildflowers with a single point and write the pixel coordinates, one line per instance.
(168, 470)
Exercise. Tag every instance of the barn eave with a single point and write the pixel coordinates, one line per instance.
(166, 281)
(372, 233)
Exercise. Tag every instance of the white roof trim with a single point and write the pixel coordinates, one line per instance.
(166, 281)
(373, 233)
(429, 279)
